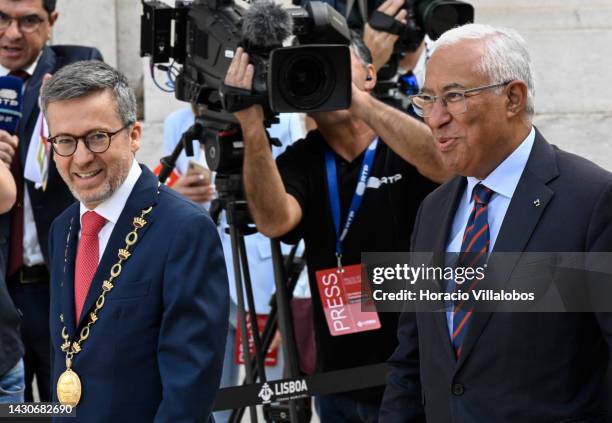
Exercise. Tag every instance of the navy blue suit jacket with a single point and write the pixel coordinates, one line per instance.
(48, 204)
(514, 367)
(156, 352)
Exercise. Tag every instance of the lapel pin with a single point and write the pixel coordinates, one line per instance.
(536, 202)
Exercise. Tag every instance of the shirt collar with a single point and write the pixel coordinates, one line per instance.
(111, 208)
(30, 69)
(504, 179)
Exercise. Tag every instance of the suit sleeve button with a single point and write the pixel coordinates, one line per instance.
(457, 389)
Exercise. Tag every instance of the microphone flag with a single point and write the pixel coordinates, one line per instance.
(36, 167)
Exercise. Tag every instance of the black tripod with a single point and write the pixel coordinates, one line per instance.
(231, 200)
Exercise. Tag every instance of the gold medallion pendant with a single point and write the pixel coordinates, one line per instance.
(69, 388)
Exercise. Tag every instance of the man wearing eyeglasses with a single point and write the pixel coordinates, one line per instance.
(25, 27)
(139, 290)
(515, 193)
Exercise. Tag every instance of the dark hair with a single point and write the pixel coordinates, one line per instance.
(49, 6)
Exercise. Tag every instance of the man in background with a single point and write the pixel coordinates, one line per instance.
(25, 28)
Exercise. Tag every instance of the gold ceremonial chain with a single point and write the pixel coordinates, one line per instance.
(69, 384)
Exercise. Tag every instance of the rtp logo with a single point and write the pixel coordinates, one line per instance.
(265, 393)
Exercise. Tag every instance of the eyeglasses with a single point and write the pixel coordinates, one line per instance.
(26, 24)
(454, 101)
(96, 141)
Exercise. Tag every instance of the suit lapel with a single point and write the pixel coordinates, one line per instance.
(530, 199)
(143, 195)
(69, 248)
(448, 208)
(46, 64)
(445, 221)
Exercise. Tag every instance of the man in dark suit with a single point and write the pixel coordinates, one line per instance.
(25, 27)
(139, 298)
(516, 193)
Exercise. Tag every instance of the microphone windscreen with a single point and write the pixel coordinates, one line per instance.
(266, 24)
(10, 103)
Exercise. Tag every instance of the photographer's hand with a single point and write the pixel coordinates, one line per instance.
(194, 187)
(381, 43)
(240, 75)
(274, 211)
(409, 138)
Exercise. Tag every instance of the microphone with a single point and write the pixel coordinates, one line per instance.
(10, 103)
(266, 25)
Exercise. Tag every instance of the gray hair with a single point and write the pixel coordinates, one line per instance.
(505, 58)
(80, 79)
(360, 49)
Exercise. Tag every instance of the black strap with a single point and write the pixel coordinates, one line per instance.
(383, 22)
(235, 99)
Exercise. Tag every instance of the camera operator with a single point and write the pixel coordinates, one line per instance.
(402, 72)
(381, 43)
(291, 201)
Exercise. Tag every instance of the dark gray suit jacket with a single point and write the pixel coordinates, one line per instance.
(515, 367)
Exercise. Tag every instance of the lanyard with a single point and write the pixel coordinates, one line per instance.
(334, 195)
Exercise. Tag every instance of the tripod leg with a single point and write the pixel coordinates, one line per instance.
(234, 235)
(285, 322)
(259, 353)
(271, 325)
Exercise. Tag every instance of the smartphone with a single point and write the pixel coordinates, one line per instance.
(195, 167)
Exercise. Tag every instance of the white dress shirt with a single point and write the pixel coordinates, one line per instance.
(111, 208)
(503, 181)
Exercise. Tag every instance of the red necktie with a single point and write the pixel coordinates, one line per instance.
(16, 246)
(86, 259)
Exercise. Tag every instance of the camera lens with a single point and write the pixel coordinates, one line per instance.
(310, 78)
(438, 16)
(304, 77)
(444, 17)
(306, 81)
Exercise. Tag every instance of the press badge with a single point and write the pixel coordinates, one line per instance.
(271, 358)
(342, 300)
